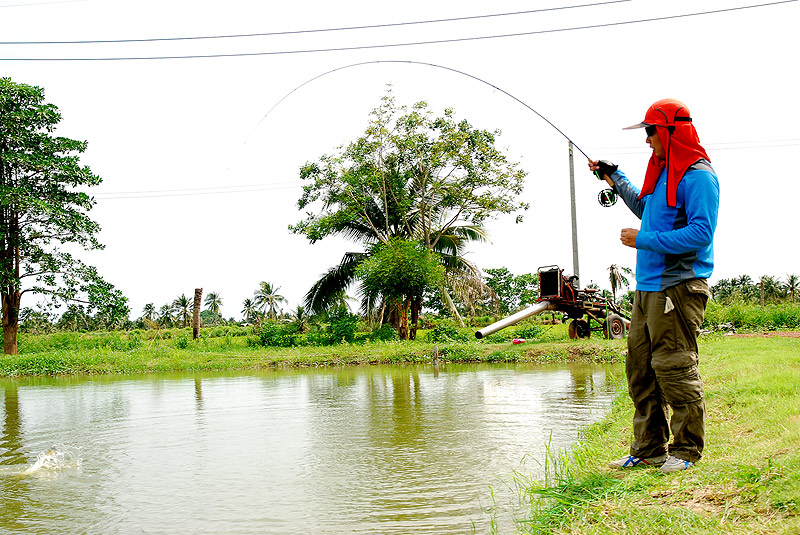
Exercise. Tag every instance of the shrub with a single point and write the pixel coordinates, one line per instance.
(447, 333)
(276, 334)
(529, 331)
(384, 333)
(342, 326)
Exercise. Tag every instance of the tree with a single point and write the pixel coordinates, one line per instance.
(166, 316)
(512, 291)
(182, 306)
(400, 271)
(42, 207)
(267, 299)
(149, 311)
(74, 318)
(213, 302)
(429, 180)
(792, 285)
(617, 278)
(770, 289)
(249, 310)
(300, 319)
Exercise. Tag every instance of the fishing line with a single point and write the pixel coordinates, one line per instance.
(411, 62)
(606, 198)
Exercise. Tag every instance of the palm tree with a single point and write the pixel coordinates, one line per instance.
(617, 278)
(770, 289)
(213, 303)
(267, 299)
(792, 285)
(183, 307)
(165, 317)
(149, 311)
(301, 319)
(249, 310)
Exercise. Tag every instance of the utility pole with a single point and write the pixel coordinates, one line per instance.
(575, 266)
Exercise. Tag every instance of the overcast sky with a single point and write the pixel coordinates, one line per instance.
(200, 182)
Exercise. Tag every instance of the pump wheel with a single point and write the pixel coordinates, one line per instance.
(614, 327)
(579, 329)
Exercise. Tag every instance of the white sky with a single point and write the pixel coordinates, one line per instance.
(226, 182)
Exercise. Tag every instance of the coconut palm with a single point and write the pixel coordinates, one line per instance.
(770, 288)
(249, 310)
(267, 299)
(182, 306)
(149, 311)
(165, 316)
(300, 319)
(617, 278)
(213, 302)
(792, 285)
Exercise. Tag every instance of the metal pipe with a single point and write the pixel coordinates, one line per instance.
(516, 318)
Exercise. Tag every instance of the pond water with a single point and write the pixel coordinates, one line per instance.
(387, 449)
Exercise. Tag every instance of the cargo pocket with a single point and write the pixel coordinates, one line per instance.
(696, 300)
(698, 286)
(681, 386)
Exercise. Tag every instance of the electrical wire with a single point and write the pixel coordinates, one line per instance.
(320, 30)
(396, 45)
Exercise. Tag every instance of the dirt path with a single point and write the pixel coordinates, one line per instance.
(768, 334)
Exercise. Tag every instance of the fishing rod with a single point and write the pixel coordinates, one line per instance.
(606, 198)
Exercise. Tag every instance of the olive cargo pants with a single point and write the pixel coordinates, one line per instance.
(662, 370)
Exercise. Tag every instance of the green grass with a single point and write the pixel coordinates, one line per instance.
(748, 481)
(103, 353)
(752, 317)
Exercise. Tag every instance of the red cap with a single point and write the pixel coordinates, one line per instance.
(665, 112)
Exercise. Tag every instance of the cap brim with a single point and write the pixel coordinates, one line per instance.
(635, 126)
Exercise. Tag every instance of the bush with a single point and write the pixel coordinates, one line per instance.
(342, 326)
(529, 331)
(276, 334)
(384, 333)
(182, 342)
(447, 333)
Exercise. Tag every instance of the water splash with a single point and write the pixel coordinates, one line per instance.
(57, 457)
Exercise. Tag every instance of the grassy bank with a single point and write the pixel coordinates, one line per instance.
(89, 356)
(748, 481)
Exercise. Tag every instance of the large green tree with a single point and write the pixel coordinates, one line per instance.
(43, 207)
(426, 179)
(512, 292)
(400, 272)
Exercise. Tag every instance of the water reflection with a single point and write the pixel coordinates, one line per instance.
(352, 450)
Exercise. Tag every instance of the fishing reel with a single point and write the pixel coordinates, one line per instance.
(606, 197)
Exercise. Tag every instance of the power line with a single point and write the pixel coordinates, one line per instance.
(321, 30)
(190, 192)
(26, 4)
(416, 43)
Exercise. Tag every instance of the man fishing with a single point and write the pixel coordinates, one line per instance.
(678, 206)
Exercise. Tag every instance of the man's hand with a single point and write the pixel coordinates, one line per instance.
(628, 237)
(604, 168)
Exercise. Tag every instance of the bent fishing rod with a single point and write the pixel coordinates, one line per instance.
(606, 198)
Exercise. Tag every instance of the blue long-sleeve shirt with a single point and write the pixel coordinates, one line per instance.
(674, 244)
